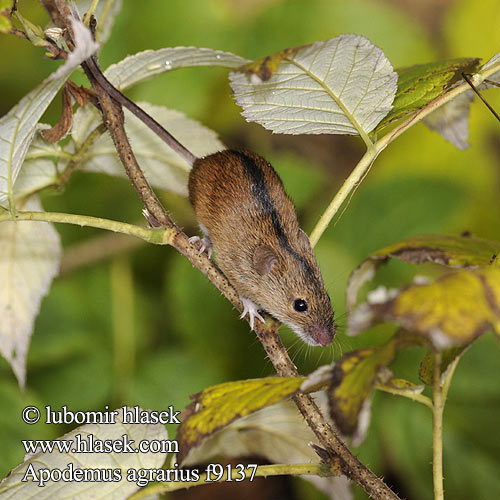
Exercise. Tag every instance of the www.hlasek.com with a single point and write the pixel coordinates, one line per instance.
(88, 443)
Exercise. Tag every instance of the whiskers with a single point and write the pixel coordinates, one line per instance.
(342, 343)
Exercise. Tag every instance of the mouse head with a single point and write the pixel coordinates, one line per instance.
(294, 289)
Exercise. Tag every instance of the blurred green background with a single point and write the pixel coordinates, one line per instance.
(139, 325)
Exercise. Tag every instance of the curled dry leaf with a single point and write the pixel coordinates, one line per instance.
(455, 309)
(452, 251)
(216, 407)
(61, 129)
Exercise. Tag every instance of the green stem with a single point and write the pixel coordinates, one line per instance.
(349, 185)
(449, 375)
(437, 434)
(440, 394)
(262, 471)
(363, 167)
(161, 236)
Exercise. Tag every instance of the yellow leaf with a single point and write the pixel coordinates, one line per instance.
(454, 310)
(459, 306)
(452, 251)
(217, 406)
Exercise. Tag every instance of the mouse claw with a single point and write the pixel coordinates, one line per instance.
(204, 244)
(252, 310)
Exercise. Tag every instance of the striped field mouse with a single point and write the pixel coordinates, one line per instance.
(244, 212)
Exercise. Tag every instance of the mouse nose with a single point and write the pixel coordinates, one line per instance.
(322, 334)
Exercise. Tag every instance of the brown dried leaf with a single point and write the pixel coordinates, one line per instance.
(61, 129)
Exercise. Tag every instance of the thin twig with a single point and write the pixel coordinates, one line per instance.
(473, 87)
(148, 120)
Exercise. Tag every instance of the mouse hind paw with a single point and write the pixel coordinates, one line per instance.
(252, 310)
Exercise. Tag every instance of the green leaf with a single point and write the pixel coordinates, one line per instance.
(344, 85)
(39, 169)
(420, 84)
(454, 310)
(452, 251)
(29, 259)
(34, 33)
(163, 167)
(215, 407)
(144, 65)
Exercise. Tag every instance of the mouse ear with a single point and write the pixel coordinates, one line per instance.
(264, 259)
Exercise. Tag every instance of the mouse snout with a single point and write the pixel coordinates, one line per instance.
(322, 334)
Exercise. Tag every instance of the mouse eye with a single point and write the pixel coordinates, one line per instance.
(300, 305)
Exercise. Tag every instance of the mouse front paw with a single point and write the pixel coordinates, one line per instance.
(202, 244)
(252, 310)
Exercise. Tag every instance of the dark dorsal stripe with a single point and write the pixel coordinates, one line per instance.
(261, 192)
